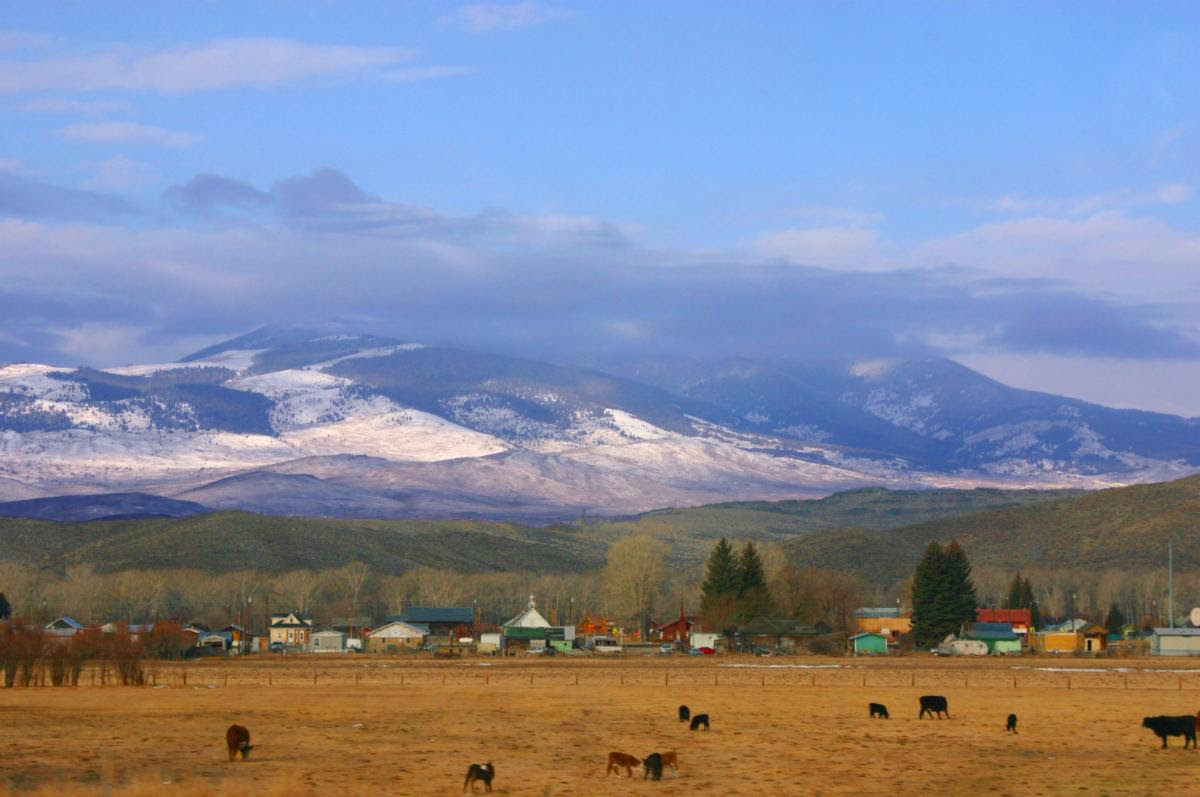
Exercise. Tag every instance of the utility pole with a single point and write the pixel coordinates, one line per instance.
(1170, 583)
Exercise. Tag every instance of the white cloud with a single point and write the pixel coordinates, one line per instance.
(15, 40)
(1166, 194)
(487, 17)
(71, 106)
(217, 64)
(119, 173)
(828, 247)
(127, 133)
(1135, 257)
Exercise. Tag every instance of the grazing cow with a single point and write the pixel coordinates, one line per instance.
(237, 739)
(685, 714)
(618, 760)
(653, 765)
(669, 760)
(934, 704)
(1012, 723)
(1163, 727)
(878, 710)
(698, 720)
(484, 772)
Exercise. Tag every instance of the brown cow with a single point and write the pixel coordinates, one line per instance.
(618, 761)
(237, 739)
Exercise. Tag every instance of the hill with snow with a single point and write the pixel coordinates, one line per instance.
(285, 421)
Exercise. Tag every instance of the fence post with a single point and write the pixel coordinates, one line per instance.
(314, 678)
(226, 680)
(268, 679)
(622, 679)
(1068, 681)
(667, 679)
(764, 681)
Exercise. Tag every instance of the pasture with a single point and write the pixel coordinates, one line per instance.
(364, 725)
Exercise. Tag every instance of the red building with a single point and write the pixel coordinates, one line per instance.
(679, 630)
(1020, 619)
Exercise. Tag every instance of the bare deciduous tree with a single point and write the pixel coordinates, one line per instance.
(634, 576)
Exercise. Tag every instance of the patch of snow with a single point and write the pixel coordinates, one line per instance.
(756, 417)
(873, 369)
(236, 360)
(368, 354)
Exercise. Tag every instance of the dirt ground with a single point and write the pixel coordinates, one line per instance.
(779, 725)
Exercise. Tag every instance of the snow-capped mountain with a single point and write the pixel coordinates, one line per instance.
(297, 422)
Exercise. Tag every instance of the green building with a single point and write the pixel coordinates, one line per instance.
(868, 643)
(999, 637)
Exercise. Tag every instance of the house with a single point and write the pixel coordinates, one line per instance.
(706, 639)
(1175, 642)
(292, 630)
(678, 630)
(329, 641)
(1021, 620)
(239, 638)
(887, 621)
(64, 623)
(396, 635)
(490, 643)
(773, 633)
(868, 643)
(1000, 638)
(1072, 636)
(445, 623)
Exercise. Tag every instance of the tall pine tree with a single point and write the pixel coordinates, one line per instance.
(929, 622)
(754, 597)
(722, 582)
(5, 607)
(1015, 599)
(960, 590)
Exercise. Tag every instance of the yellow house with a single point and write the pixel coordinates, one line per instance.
(1084, 638)
(291, 630)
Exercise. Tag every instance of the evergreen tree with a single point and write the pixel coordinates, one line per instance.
(963, 604)
(1015, 594)
(928, 616)
(1027, 599)
(752, 584)
(722, 582)
(1115, 620)
(5, 607)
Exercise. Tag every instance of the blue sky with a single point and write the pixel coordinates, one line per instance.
(1008, 184)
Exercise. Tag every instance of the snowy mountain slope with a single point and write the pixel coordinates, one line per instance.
(319, 422)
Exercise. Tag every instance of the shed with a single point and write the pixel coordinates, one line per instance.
(442, 621)
(329, 642)
(868, 643)
(1175, 642)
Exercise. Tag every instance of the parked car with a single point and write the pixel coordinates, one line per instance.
(666, 648)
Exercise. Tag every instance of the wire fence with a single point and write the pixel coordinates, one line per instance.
(475, 674)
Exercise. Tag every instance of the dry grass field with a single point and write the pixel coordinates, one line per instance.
(779, 725)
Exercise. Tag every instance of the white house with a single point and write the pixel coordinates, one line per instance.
(705, 639)
(530, 618)
(395, 635)
(1175, 642)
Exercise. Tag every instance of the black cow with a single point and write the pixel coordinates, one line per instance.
(653, 765)
(483, 772)
(1163, 727)
(878, 710)
(1012, 723)
(698, 720)
(685, 713)
(934, 704)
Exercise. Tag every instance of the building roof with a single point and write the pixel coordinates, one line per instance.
(990, 631)
(397, 629)
(879, 611)
(1177, 631)
(862, 634)
(330, 632)
(530, 618)
(291, 620)
(435, 614)
(765, 626)
(1014, 616)
(65, 622)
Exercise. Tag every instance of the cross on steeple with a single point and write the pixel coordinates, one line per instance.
(531, 600)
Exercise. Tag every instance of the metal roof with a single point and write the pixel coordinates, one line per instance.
(1177, 631)
(436, 614)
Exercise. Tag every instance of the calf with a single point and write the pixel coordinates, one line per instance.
(1012, 723)
(934, 704)
(685, 714)
(484, 772)
(653, 765)
(698, 720)
(878, 710)
(617, 761)
(237, 739)
(1163, 727)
